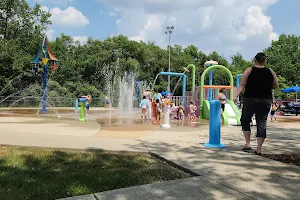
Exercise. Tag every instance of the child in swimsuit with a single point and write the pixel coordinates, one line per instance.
(180, 112)
(88, 103)
(107, 102)
(144, 105)
(222, 98)
(274, 107)
(158, 110)
(172, 109)
(192, 109)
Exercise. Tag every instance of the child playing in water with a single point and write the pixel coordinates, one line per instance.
(144, 105)
(88, 103)
(158, 110)
(107, 102)
(172, 110)
(147, 94)
(274, 107)
(157, 96)
(192, 109)
(180, 112)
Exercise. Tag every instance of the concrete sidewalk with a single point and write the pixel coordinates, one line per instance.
(187, 189)
(227, 173)
(34, 132)
(252, 175)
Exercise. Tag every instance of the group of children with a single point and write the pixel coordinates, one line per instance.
(180, 113)
(88, 103)
(146, 104)
(158, 102)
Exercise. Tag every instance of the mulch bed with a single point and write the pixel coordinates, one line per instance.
(293, 159)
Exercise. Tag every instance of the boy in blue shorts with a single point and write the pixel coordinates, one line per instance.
(88, 103)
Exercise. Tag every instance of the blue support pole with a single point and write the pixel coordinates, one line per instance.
(215, 125)
(44, 110)
(183, 84)
(210, 83)
(183, 90)
(76, 104)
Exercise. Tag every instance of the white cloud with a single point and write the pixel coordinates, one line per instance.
(50, 34)
(226, 26)
(45, 8)
(70, 17)
(81, 39)
(256, 23)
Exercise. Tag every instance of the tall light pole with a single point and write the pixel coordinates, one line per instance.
(169, 31)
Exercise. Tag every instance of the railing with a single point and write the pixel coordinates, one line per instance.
(215, 92)
(176, 99)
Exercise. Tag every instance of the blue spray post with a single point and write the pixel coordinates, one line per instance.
(76, 105)
(45, 61)
(238, 80)
(210, 63)
(44, 110)
(215, 125)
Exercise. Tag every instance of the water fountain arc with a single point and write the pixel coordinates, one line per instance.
(155, 81)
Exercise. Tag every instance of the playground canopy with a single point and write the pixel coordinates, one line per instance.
(292, 89)
(164, 93)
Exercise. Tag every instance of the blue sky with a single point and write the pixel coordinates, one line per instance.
(228, 27)
(286, 17)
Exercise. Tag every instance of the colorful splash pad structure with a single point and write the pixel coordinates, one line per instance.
(231, 114)
(40, 61)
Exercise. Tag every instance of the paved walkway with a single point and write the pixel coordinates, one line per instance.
(252, 175)
(188, 189)
(56, 133)
(225, 173)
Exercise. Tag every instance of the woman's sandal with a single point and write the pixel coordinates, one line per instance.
(246, 148)
(255, 152)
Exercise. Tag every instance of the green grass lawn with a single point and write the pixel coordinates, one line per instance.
(41, 173)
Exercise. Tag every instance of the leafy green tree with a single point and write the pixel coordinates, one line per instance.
(283, 56)
(21, 27)
(95, 67)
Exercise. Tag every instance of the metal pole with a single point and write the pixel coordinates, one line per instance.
(44, 110)
(193, 79)
(169, 77)
(210, 83)
(184, 91)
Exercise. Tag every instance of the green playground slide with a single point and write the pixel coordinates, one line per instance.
(230, 116)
